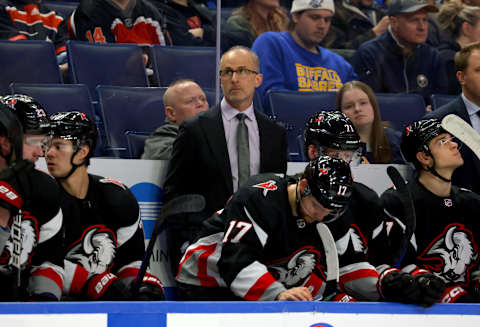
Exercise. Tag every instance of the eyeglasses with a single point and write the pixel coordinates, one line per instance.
(242, 72)
(446, 140)
(33, 140)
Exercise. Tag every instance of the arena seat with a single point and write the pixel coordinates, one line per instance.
(135, 143)
(106, 64)
(129, 109)
(171, 63)
(27, 61)
(400, 109)
(438, 100)
(292, 109)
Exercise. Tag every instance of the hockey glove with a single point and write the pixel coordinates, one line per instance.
(431, 288)
(106, 287)
(150, 292)
(15, 185)
(398, 286)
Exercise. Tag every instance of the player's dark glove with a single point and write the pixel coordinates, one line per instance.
(431, 288)
(398, 286)
(106, 287)
(15, 185)
(150, 292)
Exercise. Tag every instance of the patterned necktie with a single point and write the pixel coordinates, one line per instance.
(243, 150)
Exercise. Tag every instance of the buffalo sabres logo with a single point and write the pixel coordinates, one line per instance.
(452, 254)
(29, 240)
(316, 3)
(296, 269)
(95, 251)
(408, 130)
(267, 186)
(319, 118)
(422, 81)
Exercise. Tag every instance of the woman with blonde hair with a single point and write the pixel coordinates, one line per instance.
(381, 144)
(255, 18)
(460, 24)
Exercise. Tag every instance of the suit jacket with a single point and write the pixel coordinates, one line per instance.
(200, 162)
(468, 175)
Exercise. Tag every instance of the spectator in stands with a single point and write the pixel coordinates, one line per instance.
(461, 23)
(118, 21)
(254, 18)
(358, 21)
(293, 60)
(33, 20)
(380, 144)
(466, 106)
(399, 61)
(104, 238)
(188, 22)
(206, 157)
(183, 99)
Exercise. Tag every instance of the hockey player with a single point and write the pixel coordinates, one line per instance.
(443, 249)
(103, 232)
(333, 134)
(31, 240)
(265, 245)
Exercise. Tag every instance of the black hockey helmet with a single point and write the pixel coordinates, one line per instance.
(11, 128)
(417, 137)
(76, 127)
(330, 182)
(331, 129)
(30, 113)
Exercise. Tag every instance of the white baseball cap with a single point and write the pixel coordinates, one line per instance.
(301, 5)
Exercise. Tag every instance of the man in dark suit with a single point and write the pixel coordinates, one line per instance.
(467, 107)
(205, 156)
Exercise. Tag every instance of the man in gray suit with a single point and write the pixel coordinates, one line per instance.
(467, 107)
(206, 156)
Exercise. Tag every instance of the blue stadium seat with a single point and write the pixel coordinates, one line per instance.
(129, 109)
(106, 64)
(292, 109)
(61, 97)
(438, 100)
(135, 143)
(171, 63)
(27, 61)
(62, 8)
(401, 109)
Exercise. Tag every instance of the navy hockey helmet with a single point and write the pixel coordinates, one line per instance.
(11, 128)
(331, 129)
(30, 113)
(76, 127)
(417, 136)
(330, 182)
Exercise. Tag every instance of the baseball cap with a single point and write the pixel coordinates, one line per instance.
(301, 5)
(397, 7)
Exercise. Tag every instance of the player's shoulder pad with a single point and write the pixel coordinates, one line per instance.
(364, 192)
(115, 195)
(266, 183)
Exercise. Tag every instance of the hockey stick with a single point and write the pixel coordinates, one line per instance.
(463, 131)
(409, 209)
(331, 255)
(189, 203)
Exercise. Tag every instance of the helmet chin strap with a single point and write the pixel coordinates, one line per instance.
(74, 166)
(434, 172)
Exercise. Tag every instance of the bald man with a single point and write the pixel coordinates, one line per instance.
(182, 99)
(205, 154)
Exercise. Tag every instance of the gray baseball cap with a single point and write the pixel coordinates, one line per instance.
(398, 7)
